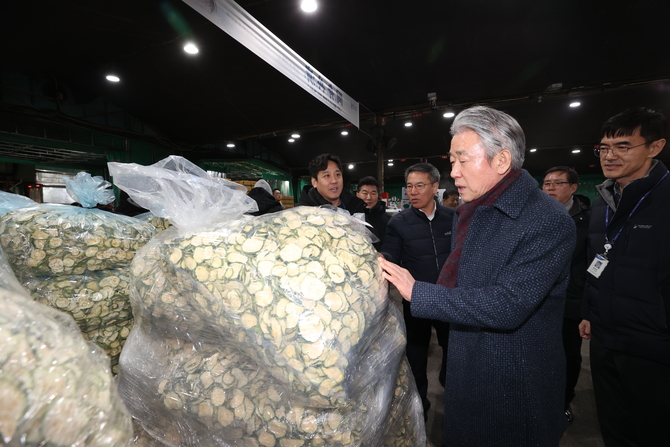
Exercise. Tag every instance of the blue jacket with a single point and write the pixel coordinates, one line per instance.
(506, 366)
(629, 305)
(418, 244)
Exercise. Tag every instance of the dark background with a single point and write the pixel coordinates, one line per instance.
(608, 55)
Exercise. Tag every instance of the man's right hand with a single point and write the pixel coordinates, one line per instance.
(585, 329)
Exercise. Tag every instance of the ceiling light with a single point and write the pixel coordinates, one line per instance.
(449, 115)
(190, 48)
(575, 104)
(231, 144)
(344, 132)
(295, 135)
(390, 163)
(533, 150)
(408, 124)
(351, 166)
(291, 140)
(112, 78)
(576, 151)
(308, 5)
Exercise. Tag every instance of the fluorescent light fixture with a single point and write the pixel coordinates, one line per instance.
(291, 140)
(408, 124)
(390, 163)
(575, 104)
(112, 78)
(190, 48)
(344, 132)
(295, 135)
(351, 166)
(308, 5)
(449, 115)
(576, 151)
(231, 144)
(533, 150)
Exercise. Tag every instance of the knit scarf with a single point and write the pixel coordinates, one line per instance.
(465, 212)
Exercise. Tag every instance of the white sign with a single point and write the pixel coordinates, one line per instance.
(241, 26)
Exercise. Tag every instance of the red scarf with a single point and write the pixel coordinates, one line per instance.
(465, 212)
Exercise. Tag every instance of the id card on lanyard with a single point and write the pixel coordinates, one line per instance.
(600, 261)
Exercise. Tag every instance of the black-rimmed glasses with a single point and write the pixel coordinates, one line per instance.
(601, 149)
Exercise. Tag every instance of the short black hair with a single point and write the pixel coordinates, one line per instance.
(448, 193)
(368, 181)
(429, 169)
(276, 189)
(573, 177)
(320, 163)
(652, 124)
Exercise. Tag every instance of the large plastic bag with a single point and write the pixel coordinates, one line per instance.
(176, 189)
(77, 260)
(274, 330)
(9, 201)
(89, 191)
(55, 388)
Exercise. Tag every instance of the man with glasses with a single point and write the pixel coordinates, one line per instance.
(419, 239)
(626, 306)
(561, 182)
(375, 212)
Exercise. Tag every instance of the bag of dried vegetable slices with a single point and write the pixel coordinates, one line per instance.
(262, 331)
(77, 259)
(56, 389)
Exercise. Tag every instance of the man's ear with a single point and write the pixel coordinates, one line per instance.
(656, 147)
(502, 162)
(314, 182)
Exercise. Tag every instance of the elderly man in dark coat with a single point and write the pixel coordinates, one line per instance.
(503, 291)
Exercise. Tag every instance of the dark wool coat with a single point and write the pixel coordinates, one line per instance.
(629, 305)
(505, 379)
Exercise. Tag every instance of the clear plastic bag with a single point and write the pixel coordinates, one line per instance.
(89, 191)
(291, 304)
(55, 388)
(176, 189)
(9, 201)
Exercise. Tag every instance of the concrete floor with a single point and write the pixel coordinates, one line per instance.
(583, 432)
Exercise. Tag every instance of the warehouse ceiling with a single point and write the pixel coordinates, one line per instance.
(530, 58)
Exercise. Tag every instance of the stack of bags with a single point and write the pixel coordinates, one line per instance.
(77, 259)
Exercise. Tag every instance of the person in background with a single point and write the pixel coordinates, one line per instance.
(626, 307)
(450, 198)
(262, 195)
(419, 239)
(561, 183)
(276, 193)
(503, 291)
(375, 215)
(327, 186)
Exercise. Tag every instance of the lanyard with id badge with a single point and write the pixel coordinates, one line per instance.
(600, 261)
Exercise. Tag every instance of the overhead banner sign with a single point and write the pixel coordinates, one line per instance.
(240, 25)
